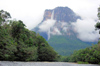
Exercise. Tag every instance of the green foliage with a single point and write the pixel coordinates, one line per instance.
(97, 26)
(4, 15)
(62, 58)
(90, 55)
(47, 54)
(66, 45)
(80, 62)
(20, 44)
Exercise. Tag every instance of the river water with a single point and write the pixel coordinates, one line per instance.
(7, 63)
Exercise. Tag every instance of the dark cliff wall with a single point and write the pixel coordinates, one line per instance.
(62, 14)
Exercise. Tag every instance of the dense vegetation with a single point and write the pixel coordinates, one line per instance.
(20, 44)
(89, 55)
(66, 45)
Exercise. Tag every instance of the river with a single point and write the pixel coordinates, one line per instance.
(7, 63)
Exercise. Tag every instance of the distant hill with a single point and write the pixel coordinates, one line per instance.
(56, 27)
(66, 45)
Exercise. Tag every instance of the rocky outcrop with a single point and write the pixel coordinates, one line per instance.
(61, 36)
(47, 14)
(62, 14)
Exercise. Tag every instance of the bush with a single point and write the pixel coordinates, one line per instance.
(80, 62)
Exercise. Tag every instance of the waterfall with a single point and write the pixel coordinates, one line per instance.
(52, 15)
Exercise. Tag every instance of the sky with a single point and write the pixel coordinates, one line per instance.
(31, 13)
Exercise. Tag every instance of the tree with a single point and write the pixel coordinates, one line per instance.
(20, 44)
(4, 15)
(98, 23)
(17, 28)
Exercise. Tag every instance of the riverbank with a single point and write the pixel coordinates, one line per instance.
(14, 63)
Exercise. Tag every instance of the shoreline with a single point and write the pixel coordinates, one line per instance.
(18, 63)
(40, 62)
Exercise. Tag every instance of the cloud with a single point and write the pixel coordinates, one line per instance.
(30, 21)
(65, 29)
(55, 31)
(85, 30)
(31, 11)
(46, 25)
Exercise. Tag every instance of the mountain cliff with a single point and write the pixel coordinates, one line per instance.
(62, 14)
(61, 17)
(56, 27)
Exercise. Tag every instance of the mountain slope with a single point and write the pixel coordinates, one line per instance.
(66, 45)
(56, 27)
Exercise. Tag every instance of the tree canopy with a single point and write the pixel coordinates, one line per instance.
(20, 44)
(98, 23)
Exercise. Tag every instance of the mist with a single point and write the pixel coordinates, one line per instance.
(85, 30)
(46, 25)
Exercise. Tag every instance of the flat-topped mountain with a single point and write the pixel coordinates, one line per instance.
(56, 27)
(62, 14)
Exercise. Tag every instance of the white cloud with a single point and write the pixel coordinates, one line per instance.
(31, 11)
(86, 30)
(46, 25)
(55, 31)
(85, 27)
(65, 29)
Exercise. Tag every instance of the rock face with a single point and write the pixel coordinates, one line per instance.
(56, 27)
(63, 17)
(62, 14)
(47, 14)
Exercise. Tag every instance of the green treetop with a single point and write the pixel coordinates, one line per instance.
(98, 24)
